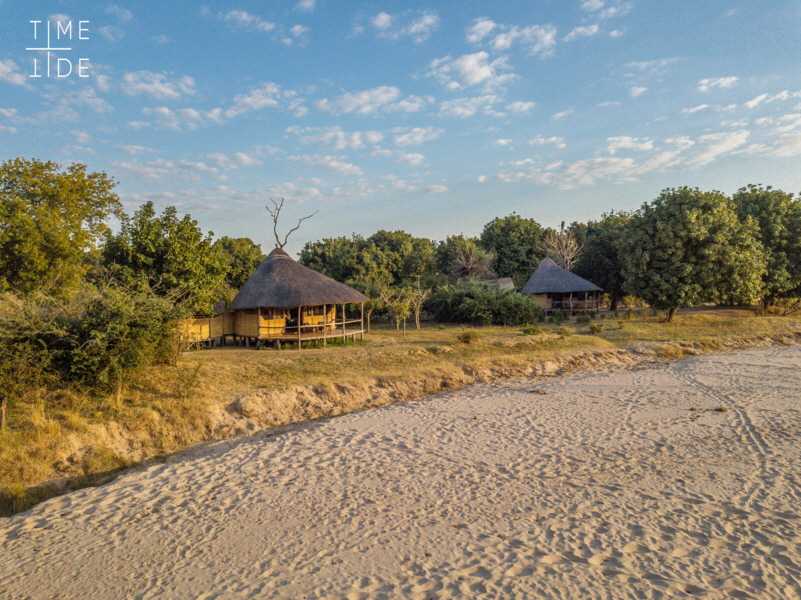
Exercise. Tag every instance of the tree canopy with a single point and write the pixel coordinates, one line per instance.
(49, 220)
(600, 261)
(516, 243)
(688, 247)
(778, 216)
(170, 254)
(242, 256)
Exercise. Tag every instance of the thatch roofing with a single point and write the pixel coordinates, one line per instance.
(550, 278)
(280, 282)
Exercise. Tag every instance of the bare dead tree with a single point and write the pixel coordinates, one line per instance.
(562, 247)
(473, 262)
(417, 297)
(275, 212)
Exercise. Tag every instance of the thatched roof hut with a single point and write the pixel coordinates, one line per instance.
(283, 301)
(555, 288)
(280, 282)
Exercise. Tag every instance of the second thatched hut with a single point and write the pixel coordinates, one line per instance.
(554, 288)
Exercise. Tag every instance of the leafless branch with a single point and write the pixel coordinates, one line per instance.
(275, 212)
(562, 247)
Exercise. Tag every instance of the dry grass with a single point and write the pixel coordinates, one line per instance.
(170, 409)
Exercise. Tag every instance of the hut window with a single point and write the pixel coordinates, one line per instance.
(273, 313)
(251, 311)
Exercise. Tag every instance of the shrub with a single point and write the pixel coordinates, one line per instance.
(622, 324)
(583, 319)
(532, 330)
(564, 331)
(628, 315)
(480, 304)
(468, 336)
(99, 338)
(596, 328)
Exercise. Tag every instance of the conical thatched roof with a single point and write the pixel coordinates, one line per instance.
(280, 282)
(550, 278)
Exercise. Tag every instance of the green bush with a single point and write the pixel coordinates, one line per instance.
(564, 331)
(583, 318)
(468, 337)
(98, 338)
(596, 328)
(480, 304)
(532, 330)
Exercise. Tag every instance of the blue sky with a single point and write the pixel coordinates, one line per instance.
(432, 117)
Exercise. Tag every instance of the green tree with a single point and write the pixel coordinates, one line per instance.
(170, 254)
(688, 247)
(778, 215)
(516, 243)
(49, 221)
(600, 262)
(242, 256)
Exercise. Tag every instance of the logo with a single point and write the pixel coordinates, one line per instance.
(61, 67)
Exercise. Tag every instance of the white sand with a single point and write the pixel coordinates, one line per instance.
(609, 486)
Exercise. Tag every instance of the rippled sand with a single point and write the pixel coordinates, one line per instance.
(609, 485)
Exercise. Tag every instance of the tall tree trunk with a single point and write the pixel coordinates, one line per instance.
(613, 301)
(417, 319)
(369, 315)
(669, 315)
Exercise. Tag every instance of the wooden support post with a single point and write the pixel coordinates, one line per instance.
(325, 324)
(300, 320)
(343, 323)
(361, 337)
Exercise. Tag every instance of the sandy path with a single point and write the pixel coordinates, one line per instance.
(608, 486)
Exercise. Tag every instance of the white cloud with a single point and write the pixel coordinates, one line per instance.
(81, 137)
(412, 159)
(785, 95)
(695, 109)
(176, 120)
(469, 70)
(266, 95)
(73, 150)
(111, 33)
(7, 129)
(720, 82)
(396, 26)
(467, 107)
(123, 14)
(298, 30)
(292, 192)
(540, 39)
(133, 150)
(683, 152)
(616, 33)
(9, 74)
(788, 144)
(756, 101)
(365, 102)
(329, 163)
(335, 138)
(245, 20)
(580, 32)
(541, 141)
(717, 144)
(234, 161)
(157, 85)
(382, 21)
(652, 66)
(637, 91)
(165, 171)
(482, 178)
(416, 136)
(480, 29)
(85, 97)
(521, 107)
(409, 105)
(306, 5)
(436, 189)
(628, 143)
(503, 142)
(592, 5)
(561, 115)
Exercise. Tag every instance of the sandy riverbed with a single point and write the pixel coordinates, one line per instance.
(607, 486)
